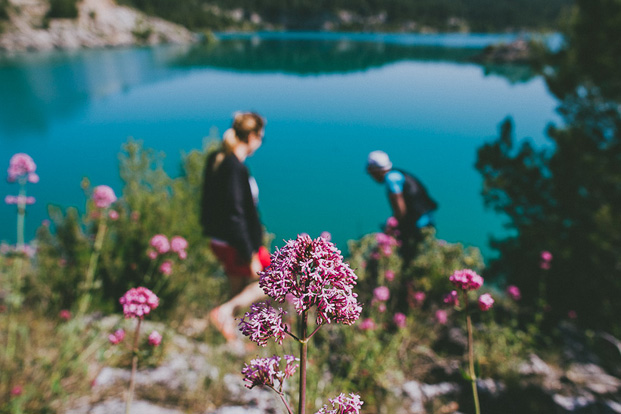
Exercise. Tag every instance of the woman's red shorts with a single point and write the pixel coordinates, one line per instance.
(229, 257)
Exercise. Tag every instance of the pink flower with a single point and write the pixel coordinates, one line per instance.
(46, 223)
(419, 298)
(545, 265)
(268, 372)
(17, 390)
(392, 222)
(183, 255)
(21, 165)
(385, 243)
(152, 254)
(166, 267)
(103, 196)
(451, 298)
(381, 307)
(514, 292)
(155, 338)
(368, 325)
(19, 200)
(466, 279)
(485, 302)
(390, 275)
(160, 243)
(572, 314)
(343, 405)
(313, 271)
(138, 302)
(381, 293)
(441, 317)
(264, 322)
(546, 256)
(178, 243)
(326, 235)
(116, 337)
(113, 214)
(400, 320)
(135, 215)
(64, 314)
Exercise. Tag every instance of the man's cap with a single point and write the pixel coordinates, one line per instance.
(378, 160)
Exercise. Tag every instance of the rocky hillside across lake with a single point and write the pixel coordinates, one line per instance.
(27, 25)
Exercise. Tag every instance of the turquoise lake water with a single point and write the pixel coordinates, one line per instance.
(329, 99)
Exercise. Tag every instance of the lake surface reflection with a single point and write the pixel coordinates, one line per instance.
(329, 100)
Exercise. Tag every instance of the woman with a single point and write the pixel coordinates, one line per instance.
(229, 216)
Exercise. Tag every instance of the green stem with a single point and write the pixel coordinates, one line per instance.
(303, 359)
(473, 377)
(92, 266)
(21, 216)
(132, 378)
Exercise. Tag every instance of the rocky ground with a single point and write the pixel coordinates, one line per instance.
(580, 382)
(100, 23)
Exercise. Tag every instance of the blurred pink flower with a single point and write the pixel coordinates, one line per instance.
(451, 298)
(545, 265)
(392, 222)
(390, 275)
(514, 292)
(466, 279)
(381, 307)
(326, 235)
(64, 314)
(183, 255)
(400, 320)
(166, 267)
(381, 293)
(19, 200)
(419, 298)
(441, 317)
(178, 243)
(46, 223)
(546, 256)
(135, 215)
(21, 165)
(160, 243)
(113, 214)
(152, 254)
(116, 337)
(155, 338)
(17, 390)
(138, 302)
(485, 302)
(572, 314)
(103, 196)
(367, 325)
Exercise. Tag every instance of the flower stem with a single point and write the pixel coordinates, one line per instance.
(303, 358)
(473, 377)
(90, 274)
(132, 378)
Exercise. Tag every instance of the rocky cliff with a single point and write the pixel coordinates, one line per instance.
(100, 23)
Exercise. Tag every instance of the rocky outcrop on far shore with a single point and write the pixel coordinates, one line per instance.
(100, 23)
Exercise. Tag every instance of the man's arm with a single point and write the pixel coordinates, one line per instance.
(397, 202)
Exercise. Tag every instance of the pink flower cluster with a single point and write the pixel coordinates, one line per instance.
(546, 260)
(385, 243)
(368, 324)
(314, 274)
(160, 243)
(19, 200)
(400, 320)
(155, 338)
(22, 165)
(103, 196)
(64, 314)
(452, 298)
(391, 227)
(514, 292)
(268, 372)
(485, 302)
(343, 404)
(466, 279)
(138, 302)
(381, 293)
(116, 337)
(264, 322)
